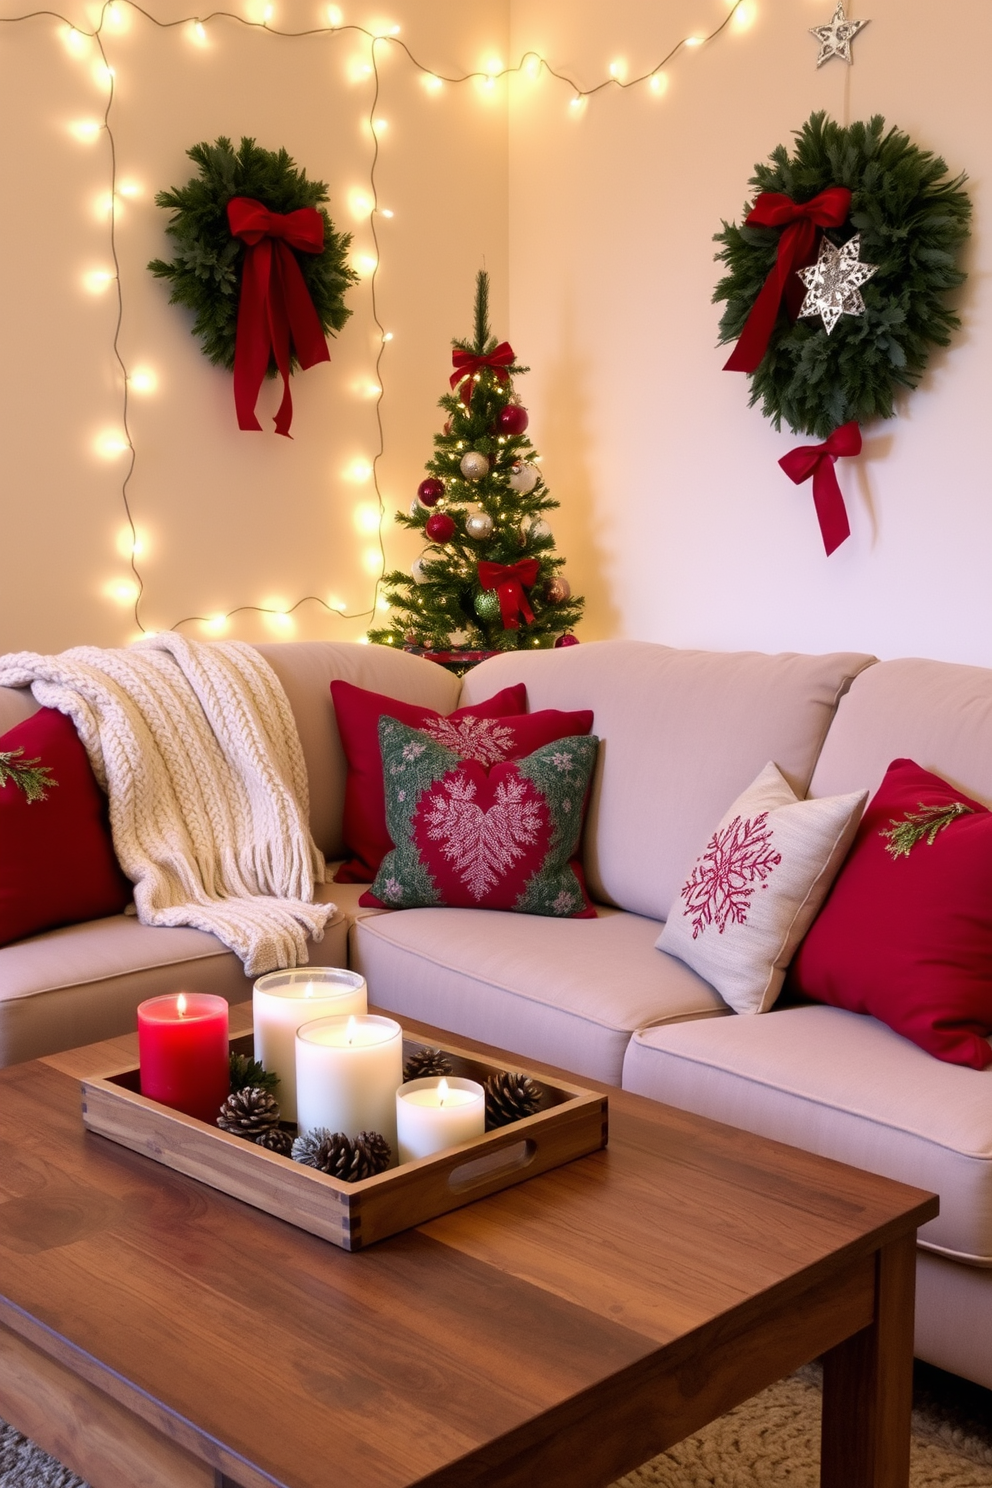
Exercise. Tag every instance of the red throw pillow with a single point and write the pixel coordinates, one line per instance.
(469, 837)
(57, 863)
(906, 932)
(358, 712)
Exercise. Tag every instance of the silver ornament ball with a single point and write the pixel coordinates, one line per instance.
(417, 570)
(479, 525)
(474, 466)
(523, 478)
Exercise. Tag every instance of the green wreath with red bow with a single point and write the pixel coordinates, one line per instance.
(258, 261)
(890, 211)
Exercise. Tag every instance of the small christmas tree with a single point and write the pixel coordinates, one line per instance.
(489, 579)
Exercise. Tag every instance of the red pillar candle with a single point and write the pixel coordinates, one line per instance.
(183, 1052)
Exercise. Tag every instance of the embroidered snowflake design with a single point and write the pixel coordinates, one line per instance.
(392, 889)
(563, 761)
(564, 902)
(413, 750)
(483, 845)
(487, 740)
(737, 860)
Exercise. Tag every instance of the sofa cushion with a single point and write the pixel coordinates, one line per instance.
(82, 983)
(306, 670)
(935, 712)
(477, 838)
(358, 711)
(846, 1087)
(906, 933)
(752, 893)
(569, 992)
(68, 822)
(684, 732)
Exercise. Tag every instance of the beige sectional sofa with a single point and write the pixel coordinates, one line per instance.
(683, 733)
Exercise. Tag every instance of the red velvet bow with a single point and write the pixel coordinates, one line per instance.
(818, 461)
(275, 304)
(466, 365)
(799, 222)
(509, 580)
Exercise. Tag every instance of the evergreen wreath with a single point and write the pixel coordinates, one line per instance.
(206, 269)
(912, 222)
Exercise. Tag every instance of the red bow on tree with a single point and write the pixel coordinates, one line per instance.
(818, 461)
(466, 365)
(799, 222)
(275, 305)
(509, 581)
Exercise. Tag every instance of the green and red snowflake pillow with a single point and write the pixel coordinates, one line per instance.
(468, 835)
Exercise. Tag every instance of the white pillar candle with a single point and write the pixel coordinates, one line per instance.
(348, 1071)
(432, 1115)
(283, 1001)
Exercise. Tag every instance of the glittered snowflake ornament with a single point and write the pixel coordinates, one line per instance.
(836, 37)
(833, 283)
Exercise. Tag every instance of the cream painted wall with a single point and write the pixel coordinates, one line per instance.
(227, 518)
(678, 524)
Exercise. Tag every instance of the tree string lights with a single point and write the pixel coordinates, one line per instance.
(532, 63)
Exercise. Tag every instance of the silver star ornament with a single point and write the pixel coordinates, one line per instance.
(835, 39)
(833, 283)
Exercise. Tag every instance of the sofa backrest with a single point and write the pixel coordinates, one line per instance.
(16, 704)
(684, 732)
(306, 670)
(937, 713)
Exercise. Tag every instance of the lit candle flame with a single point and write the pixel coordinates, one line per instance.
(181, 1005)
(308, 990)
(351, 1029)
(442, 1092)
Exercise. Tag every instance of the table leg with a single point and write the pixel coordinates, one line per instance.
(868, 1384)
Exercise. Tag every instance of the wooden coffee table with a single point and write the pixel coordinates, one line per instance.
(154, 1332)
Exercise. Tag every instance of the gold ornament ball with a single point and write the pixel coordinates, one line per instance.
(523, 478)
(479, 525)
(487, 606)
(559, 589)
(474, 465)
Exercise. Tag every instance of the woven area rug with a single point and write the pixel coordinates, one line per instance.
(775, 1439)
(772, 1439)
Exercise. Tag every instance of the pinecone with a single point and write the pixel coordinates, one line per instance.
(424, 1063)
(249, 1113)
(510, 1097)
(376, 1153)
(336, 1154)
(277, 1139)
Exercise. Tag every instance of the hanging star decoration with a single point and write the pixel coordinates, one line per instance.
(833, 283)
(835, 39)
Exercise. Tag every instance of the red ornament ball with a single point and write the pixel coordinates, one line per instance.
(512, 419)
(566, 640)
(430, 491)
(439, 527)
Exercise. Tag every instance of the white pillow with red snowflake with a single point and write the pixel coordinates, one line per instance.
(757, 886)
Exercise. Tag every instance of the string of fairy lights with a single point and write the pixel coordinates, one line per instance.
(531, 64)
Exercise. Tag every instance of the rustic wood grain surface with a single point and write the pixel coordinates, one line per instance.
(559, 1332)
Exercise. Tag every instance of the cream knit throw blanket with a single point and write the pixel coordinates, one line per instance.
(197, 748)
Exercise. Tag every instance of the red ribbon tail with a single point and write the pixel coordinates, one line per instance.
(252, 345)
(753, 340)
(818, 461)
(831, 512)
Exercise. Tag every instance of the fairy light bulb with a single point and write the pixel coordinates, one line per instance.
(86, 130)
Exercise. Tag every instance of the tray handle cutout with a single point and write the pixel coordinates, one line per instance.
(481, 1170)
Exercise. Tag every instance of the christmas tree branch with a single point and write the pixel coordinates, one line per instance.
(30, 776)
(917, 825)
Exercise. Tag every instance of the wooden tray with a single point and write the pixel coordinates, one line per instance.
(571, 1123)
